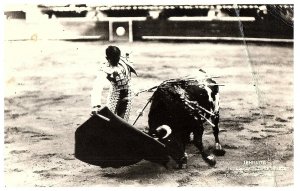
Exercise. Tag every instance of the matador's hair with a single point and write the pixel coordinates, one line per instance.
(113, 54)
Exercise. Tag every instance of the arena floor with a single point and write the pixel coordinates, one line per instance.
(47, 96)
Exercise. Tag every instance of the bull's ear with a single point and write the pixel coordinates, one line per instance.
(163, 131)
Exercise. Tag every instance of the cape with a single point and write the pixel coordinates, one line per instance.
(106, 140)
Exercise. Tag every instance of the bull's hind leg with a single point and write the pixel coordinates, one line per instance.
(219, 151)
(198, 133)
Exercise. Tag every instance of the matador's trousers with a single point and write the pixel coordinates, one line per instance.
(119, 102)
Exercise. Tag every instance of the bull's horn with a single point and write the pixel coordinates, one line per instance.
(165, 128)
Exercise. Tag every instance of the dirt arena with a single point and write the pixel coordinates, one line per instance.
(47, 96)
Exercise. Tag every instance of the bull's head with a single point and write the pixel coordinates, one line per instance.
(173, 144)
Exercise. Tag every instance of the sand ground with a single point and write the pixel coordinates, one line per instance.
(47, 96)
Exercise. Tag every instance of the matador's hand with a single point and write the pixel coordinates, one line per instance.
(95, 109)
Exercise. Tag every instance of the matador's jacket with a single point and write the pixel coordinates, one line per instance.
(120, 92)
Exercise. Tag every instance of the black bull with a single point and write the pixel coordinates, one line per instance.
(180, 108)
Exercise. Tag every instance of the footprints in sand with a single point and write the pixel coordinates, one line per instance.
(14, 134)
(58, 162)
(262, 122)
(44, 156)
(49, 173)
(230, 146)
(52, 101)
(258, 124)
(18, 151)
(279, 119)
(17, 115)
(55, 156)
(20, 106)
(231, 124)
(184, 181)
(109, 175)
(17, 170)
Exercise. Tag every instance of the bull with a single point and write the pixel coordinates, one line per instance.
(179, 108)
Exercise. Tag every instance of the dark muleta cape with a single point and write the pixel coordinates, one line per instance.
(106, 140)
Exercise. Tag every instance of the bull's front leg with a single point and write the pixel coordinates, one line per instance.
(182, 162)
(219, 151)
(198, 133)
(177, 151)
